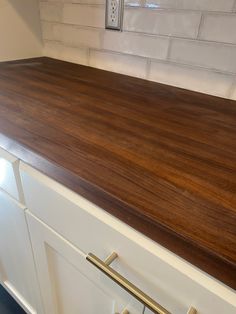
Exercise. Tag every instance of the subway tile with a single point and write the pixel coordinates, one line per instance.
(137, 44)
(130, 65)
(74, 36)
(200, 80)
(50, 31)
(234, 8)
(205, 5)
(219, 27)
(52, 49)
(84, 15)
(133, 3)
(50, 11)
(162, 22)
(59, 51)
(47, 30)
(211, 55)
(75, 55)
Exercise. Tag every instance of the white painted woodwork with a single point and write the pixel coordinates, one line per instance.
(9, 175)
(170, 280)
(17, 270)
(69, 284)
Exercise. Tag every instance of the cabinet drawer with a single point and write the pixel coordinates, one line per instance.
(171, 281)
(9, 175)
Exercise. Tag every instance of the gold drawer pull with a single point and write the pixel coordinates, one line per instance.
(127, 285)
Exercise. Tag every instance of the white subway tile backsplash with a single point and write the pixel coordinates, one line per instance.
(47, 30)
(50, 31)
(191, 78)
(162, 22)
(186, 43)
(74, 36)
(219, 27)
(205, 5)
(59, 51)
(50, 11)
(207, 54)
(130, 65)
(137, 44)
(84, 15)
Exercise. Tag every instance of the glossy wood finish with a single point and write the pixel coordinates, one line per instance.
(160, 158)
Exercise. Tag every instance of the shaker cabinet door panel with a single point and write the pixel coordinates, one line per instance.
(69, 284)
(17, 272)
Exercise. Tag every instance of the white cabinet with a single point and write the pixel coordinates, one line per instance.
(17, 271)
(43, 252)
(68, 227)
(69, 284)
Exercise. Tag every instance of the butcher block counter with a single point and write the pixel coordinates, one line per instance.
(159, 158)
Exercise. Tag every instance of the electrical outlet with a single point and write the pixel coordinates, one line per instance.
(114, 14)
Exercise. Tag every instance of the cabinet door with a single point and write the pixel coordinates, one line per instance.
(69, 284)
(17, 271)
(167, 278)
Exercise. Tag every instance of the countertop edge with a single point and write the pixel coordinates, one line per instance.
(201, 257)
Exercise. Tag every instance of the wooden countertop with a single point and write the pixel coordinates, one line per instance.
(160, 158)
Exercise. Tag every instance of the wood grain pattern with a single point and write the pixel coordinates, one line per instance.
(160, 158)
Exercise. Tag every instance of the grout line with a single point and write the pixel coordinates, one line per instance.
(74, 25)
(200, 26)
(142, 4)
(148, 68)
(174, 9)
(62, 4)
(234, 6)
(88, 56)
(169, 48)
(98, 5)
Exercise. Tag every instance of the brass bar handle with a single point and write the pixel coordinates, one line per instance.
(127, 285)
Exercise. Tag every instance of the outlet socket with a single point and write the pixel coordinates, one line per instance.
(114, 14)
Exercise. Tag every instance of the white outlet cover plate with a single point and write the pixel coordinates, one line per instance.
(114, 14)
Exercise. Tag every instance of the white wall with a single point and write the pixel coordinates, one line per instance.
(20, 32)
(186, 43)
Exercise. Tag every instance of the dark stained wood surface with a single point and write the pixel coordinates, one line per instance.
(160, 158)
